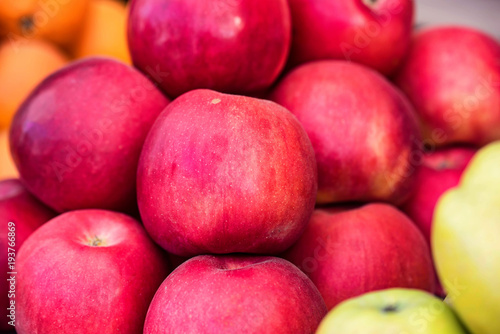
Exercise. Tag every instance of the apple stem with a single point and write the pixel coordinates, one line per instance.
(95, 242)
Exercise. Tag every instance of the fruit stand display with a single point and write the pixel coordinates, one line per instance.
(249, 166)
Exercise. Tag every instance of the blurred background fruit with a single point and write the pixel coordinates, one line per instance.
(7, 167)
(58, 21)
(22, 66)
(104, 31)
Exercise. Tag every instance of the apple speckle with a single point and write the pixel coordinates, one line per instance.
(215, 101)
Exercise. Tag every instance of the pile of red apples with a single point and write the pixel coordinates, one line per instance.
(261, 162)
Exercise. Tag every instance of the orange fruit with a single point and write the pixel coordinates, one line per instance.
(22, 67)
(105, 31)
(7, 168)
(59, 21)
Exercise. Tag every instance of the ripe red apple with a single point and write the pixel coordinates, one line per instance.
(235, 294)
(77, 138)
(363, 130)
(233, 46)
(353, 251)
(20, 215)
(452, 76)
(87, 271)
(375, 33)
(224, 173)
(440, 171)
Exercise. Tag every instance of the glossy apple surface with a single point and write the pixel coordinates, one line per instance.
(235, 294)
(21, 214)
(224, 173)
(232, 46)
(363, 130)
(99, 268)
(375, 33)
(77, 138)
(452, 76)
(348, 252)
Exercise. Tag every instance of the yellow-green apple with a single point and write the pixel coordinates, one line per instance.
(233, 46)
(225, 173)
(465, 243)
(392, 311)
(375, 33)
(87, 271)
(452, 76)
(235, 294)
(348, 252)
(77, 138)
(363, 130)
(440, 171)
(20, 214)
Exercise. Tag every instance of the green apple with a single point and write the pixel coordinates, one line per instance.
(392, 311)
(466, 244)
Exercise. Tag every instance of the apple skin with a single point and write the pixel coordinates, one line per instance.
(440, 171)
(392, 311)
(452, 77)
(77, 138)
(363, 130)
(235, 294)
(224, 174)
(348, 252)
(18, 206)
(377, 35)
(99, 266)
(232, 46)
(466, 251)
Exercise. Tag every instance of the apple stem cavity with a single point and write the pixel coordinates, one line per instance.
(95, 242)
(370, 3)
(390, 309)
(27, 24)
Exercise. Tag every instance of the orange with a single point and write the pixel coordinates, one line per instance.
(7, 168)
(105, 31)
(22, 66)
(59, 21)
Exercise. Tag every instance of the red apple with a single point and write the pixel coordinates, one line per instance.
(353, 251)
(375, 33)
(87, 271)
(363, 130)
(452, 76)
(233, 46)
(440, 171)
(77, 138)
(225, 173)
(20, 215)
(235, 294)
